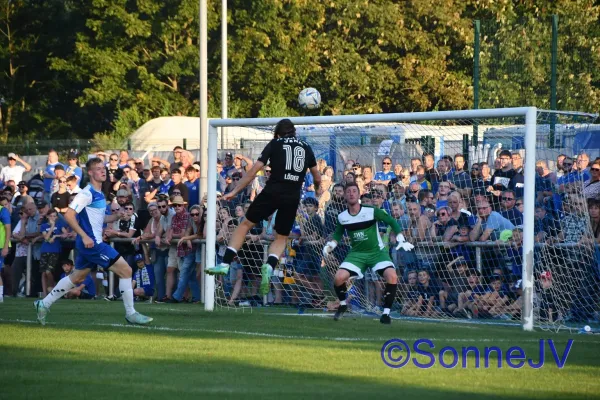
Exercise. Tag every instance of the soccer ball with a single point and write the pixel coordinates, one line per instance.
(309, 98)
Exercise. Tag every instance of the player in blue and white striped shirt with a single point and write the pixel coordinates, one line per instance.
(86, 216)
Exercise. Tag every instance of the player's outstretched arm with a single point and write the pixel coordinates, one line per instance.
(246, 179)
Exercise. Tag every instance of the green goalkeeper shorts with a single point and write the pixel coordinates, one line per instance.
(358, 262)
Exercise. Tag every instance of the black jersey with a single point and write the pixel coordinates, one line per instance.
(289, 158)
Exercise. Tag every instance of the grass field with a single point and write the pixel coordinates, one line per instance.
(86, 350)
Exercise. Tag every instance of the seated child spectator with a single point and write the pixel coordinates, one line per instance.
(429, 293)
(493, 302)
(51, 231)
(86, 290)
(143, 279)
(467, 300)
(410, 293)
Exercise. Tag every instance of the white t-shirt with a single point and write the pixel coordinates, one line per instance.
(12, 173)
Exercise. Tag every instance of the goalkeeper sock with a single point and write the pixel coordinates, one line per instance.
(341, 293)
(230, 254)
(273, 260)
(389, 296)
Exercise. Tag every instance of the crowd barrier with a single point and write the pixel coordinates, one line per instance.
(265, 243)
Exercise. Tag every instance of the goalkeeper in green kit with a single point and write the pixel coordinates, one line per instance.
(367, 249)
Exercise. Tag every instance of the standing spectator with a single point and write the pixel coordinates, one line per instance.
(72, 185)
(60, 198)
(139, 188)
(19, 199)
(385, 175)
(14, 172)
(164, 263)
(167, 182)
(154, 184)
(501, 178)
(59, 174)
(591, 187)
(517, 182)
(560, 169)
(431, 174)
(184, 252)
(421, 178)
(124, 228)
(26, 231)
(442, 194)
(508, 210)
(123, 159)
(5, 233)
(335, 206)
(460, 180)
(414, 163)
(49, 175)
(228, 167)
(52, 232)
(193, 185)
(260, 181)
(160, 163)
(583, 160)
(367, 174)
(179, 185)
(114, 175)
(177, 152)
(73, 169)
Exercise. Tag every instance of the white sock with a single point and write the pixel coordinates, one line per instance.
(386, 311)
(1, 290)
(61, 288)
(342, 302)
(127, 295)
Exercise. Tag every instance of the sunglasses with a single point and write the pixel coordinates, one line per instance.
(567, 164)
(62, 181)
(236, 179)
(387, 163)
(518, 204)
(115, 209)
(442, 214)
(507, 198)
(178, 205)
(114, 159)
(268, 171)
(474, 169)
(194, 214)
(595, 169)
(163, 207)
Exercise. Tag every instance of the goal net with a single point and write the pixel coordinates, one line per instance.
(498, 237)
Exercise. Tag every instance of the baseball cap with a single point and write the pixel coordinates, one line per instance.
(22, 183)
(196, 167)
(12, 156)
(72, 155)
(228, 154)
(122, 193)
(495, 277)
(356, 164)
(41, 203)
(139, 257)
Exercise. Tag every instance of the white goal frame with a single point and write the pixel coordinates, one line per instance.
(529, 113)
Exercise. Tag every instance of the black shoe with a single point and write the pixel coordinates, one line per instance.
(385, 319)
(172, 301)
(340, 311)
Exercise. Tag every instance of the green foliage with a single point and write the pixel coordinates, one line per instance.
(73, 68)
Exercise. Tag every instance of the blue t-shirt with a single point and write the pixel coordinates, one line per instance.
(193, 190)
(75, 171)
(90, 206)
(498, 223)
(165, 186)
(90, 287)
(384, 176)
(55, 246)
(4, 220)
(513, 215)
(144, 277)
(48, 181)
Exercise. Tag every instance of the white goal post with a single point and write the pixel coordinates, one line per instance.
(528, 113)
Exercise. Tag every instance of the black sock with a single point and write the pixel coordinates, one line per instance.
(390, 295)
(273, 260)
(341, 291)
(229, 255)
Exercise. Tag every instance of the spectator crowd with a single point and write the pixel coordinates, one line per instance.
(446, 209)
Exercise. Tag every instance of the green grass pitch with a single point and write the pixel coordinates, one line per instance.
(87, 351)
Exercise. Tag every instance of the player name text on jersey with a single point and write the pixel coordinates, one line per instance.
(290, 177)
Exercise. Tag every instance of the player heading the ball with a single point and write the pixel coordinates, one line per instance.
(289, 158)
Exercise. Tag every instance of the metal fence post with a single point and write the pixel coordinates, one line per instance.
(478, 258)
(28, 271)
(202, 280)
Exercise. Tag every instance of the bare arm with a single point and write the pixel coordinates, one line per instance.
(25, 164)
(247, 178)
(71, 219)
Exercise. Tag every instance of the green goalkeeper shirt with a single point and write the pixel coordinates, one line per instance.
(362, 228)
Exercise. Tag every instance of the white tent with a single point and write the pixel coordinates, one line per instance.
(164, 133)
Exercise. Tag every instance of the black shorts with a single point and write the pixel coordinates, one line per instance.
(267, 202)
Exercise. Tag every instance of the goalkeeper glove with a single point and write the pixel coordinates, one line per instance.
(329, 247)
(402, 243)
